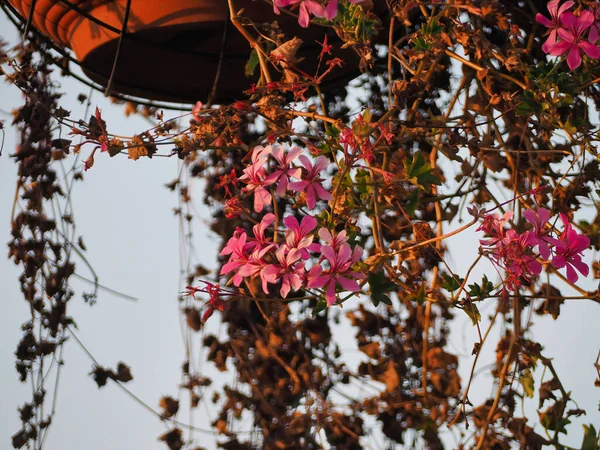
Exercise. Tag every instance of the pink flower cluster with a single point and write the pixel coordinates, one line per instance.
(257, 180)
(325, 10)
(570, 33)
(259, 255)
(514, 253)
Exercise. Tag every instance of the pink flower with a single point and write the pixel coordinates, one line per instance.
(595, 28)
(493, 226)
(297, 235)
(313, 7)
(554, 24)
(572, 39)
(334, 241)
(288, 271)
(236, 248)
(256, 265)
(568, 252)
(510, 251)
(284, 170)
(311, 183)
(339, 271)
(539, 235)
(512, 254)
(259, 241)
(306, 7)
(255, 178)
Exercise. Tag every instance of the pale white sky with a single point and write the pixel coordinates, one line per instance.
(125, 215)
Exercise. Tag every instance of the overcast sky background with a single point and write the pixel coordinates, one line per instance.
(125, 215)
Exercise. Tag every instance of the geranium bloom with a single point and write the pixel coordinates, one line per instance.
(259, 241)
(539, 235)
(311, 183)
(339, 271)
(306, 7)
(595, 28)
(288, 271)
(512, 254)
(493, 226)
(298, 236)
(334, 241)
(568, 252)
(285, 170)
(255, 178)
(510, 251)
(554, 22)
(573, 40)
(255, 265)
(238, 251)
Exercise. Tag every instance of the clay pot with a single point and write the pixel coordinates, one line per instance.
(172, 47)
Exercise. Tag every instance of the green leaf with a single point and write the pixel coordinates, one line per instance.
(419, 297)
(378, 298)
(363, 181)
(473, 312)
(332, 130)
(527, 382)
(419, 173)
(420, 44)
(379, 285)
(451, 283)
(320, 306)
(482, 291)
(549, 422)
(590, 438)
(251, 64)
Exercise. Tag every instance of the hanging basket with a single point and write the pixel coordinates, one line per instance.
(170, 49)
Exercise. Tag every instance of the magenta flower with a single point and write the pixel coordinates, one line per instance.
(288, 271)
(298, 236)
(313, 7)
(311, 183)
(554, 22)
(259, 241)
(236, 248)
(595, 28)
(339, 272)
(568, 252)
(334, 241)
(572, 39)
(493, 226)
(307, 7)
(516, 258)
(512, 254)
(539, 235)
(510, 251)
(255, 178)
(256, 265)
(284, 170)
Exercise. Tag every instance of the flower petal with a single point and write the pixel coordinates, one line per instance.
(543, 20)
(590, 49)
(586, 19)
(563, 8)
(331, 9)
(330, 295)
(348, 285)
(574, 58)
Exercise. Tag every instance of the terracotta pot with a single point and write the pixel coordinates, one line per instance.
(172, 47)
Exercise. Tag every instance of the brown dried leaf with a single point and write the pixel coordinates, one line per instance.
(169, 405)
